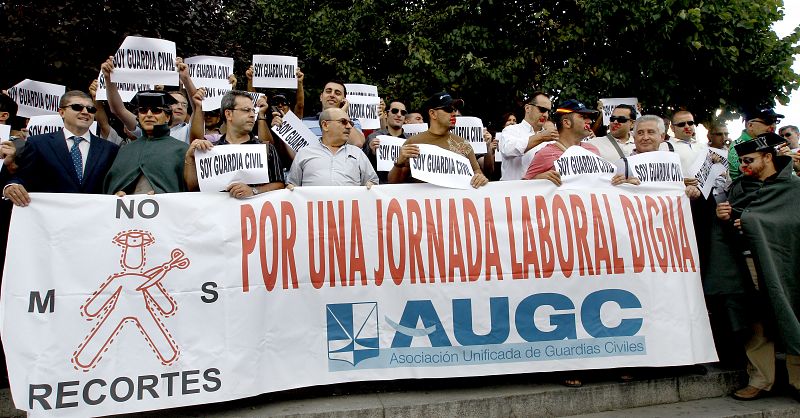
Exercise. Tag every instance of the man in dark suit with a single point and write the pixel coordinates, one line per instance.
(68, 161)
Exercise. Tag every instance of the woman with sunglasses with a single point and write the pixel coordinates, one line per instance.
(153, 163)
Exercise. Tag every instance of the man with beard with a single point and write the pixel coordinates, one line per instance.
(753, 217)
(618, 143)
(441, 109)
(520, 142)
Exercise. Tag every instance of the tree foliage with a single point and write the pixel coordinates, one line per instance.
(701, 55)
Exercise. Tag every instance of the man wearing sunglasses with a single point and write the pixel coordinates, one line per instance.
(684, 142)
(756, 123)
(755, 218)
(70, 160)
(519, 142)
(153, 163)
(396, 115)
(791, 134)
(441, 111)
(619, 142)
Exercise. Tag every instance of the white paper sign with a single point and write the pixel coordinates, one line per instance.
(579, 166)
(471, 129)
(224, 165)
(36, 98)
(436, 165)
(38, 125)
(126, 90)
(610, 103)
(5, 133)
(145, 61)
(414, 128)
(363, 104)
(275, 71)
(387, 151)
(654, 166)
(255, 96)
(706, 171)
(294, 132)
(211, 73)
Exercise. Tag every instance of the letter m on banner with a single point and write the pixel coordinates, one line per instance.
(352, 331)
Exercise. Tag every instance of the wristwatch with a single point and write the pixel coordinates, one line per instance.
(260, 118)
(254, 190)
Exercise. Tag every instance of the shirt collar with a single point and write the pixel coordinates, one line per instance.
(86, 135)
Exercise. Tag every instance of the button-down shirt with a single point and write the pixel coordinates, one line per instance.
(316, 165)
(608, 150)
(688, 150)
(512, 147)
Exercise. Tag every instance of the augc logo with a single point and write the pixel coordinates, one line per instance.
(352, 331)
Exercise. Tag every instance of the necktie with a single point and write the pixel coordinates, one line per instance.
(77, 160)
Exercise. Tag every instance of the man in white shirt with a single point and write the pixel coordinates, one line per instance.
(684, 142)
(520, 142)
(619, 141)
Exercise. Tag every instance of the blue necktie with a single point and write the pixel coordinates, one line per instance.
(77, 160)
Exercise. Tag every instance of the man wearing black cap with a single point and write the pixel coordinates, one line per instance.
(154, 162)
(755, 219)
(758, 122)
(574, 123)
(441, 110)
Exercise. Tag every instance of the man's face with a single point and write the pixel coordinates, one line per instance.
(791, 136)
(444, 117)
(77, 121)
(683, 125)
(754, 164)
(211, 119)
(337, 130)
(621, 123)
(414, 118)
(332, 95)
(538, 111)
(396, 115)
(179, 109)
(581, 124)
(242, 117)
(758, 126)
(149, 117)
(717, 136)
(647, 138)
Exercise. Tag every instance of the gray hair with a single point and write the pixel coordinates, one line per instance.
(789, 128)
(651, 118)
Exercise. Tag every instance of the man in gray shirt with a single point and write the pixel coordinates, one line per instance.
(332, 162)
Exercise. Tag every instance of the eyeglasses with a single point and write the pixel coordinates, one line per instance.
(79, 108)
(395, 111)
(448, 109)
(152, 109)
(543, 109)
(719, 133)
(746, 160)
(343, 121)
(246, 109)
(620, 119)
(682, 124)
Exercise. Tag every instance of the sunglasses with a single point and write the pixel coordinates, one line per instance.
(682, 124)
(543, 109)
(395, 111)
(343, 121)
(746, 160)
(152, 109)
(79, 108)
(620, 119)
(786, 134)
(448, 109)
(719, 133)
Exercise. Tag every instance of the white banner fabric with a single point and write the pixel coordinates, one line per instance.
(471, 129)
(224, 165)
(275, 71)
(145, 61)
(152, 302)
(36, 98)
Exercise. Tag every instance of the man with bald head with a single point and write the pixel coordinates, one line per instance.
(332, 162)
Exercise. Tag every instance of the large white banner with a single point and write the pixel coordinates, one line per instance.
(211, 73)
(151, 302)
(275, 71)
(36, 98)
(145, 61)
(363, 104)
(224, 165)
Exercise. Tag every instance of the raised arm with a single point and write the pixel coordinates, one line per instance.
(300, 99)
(115, 102)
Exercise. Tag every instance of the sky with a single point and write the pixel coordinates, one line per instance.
(791, 17)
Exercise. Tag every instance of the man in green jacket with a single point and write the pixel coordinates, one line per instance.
(757, 123)
(759, 206)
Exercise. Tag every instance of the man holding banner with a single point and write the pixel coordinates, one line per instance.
(71, 160)
(441, 110)
(237, 108)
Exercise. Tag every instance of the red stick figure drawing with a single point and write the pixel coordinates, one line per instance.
(132, 295)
